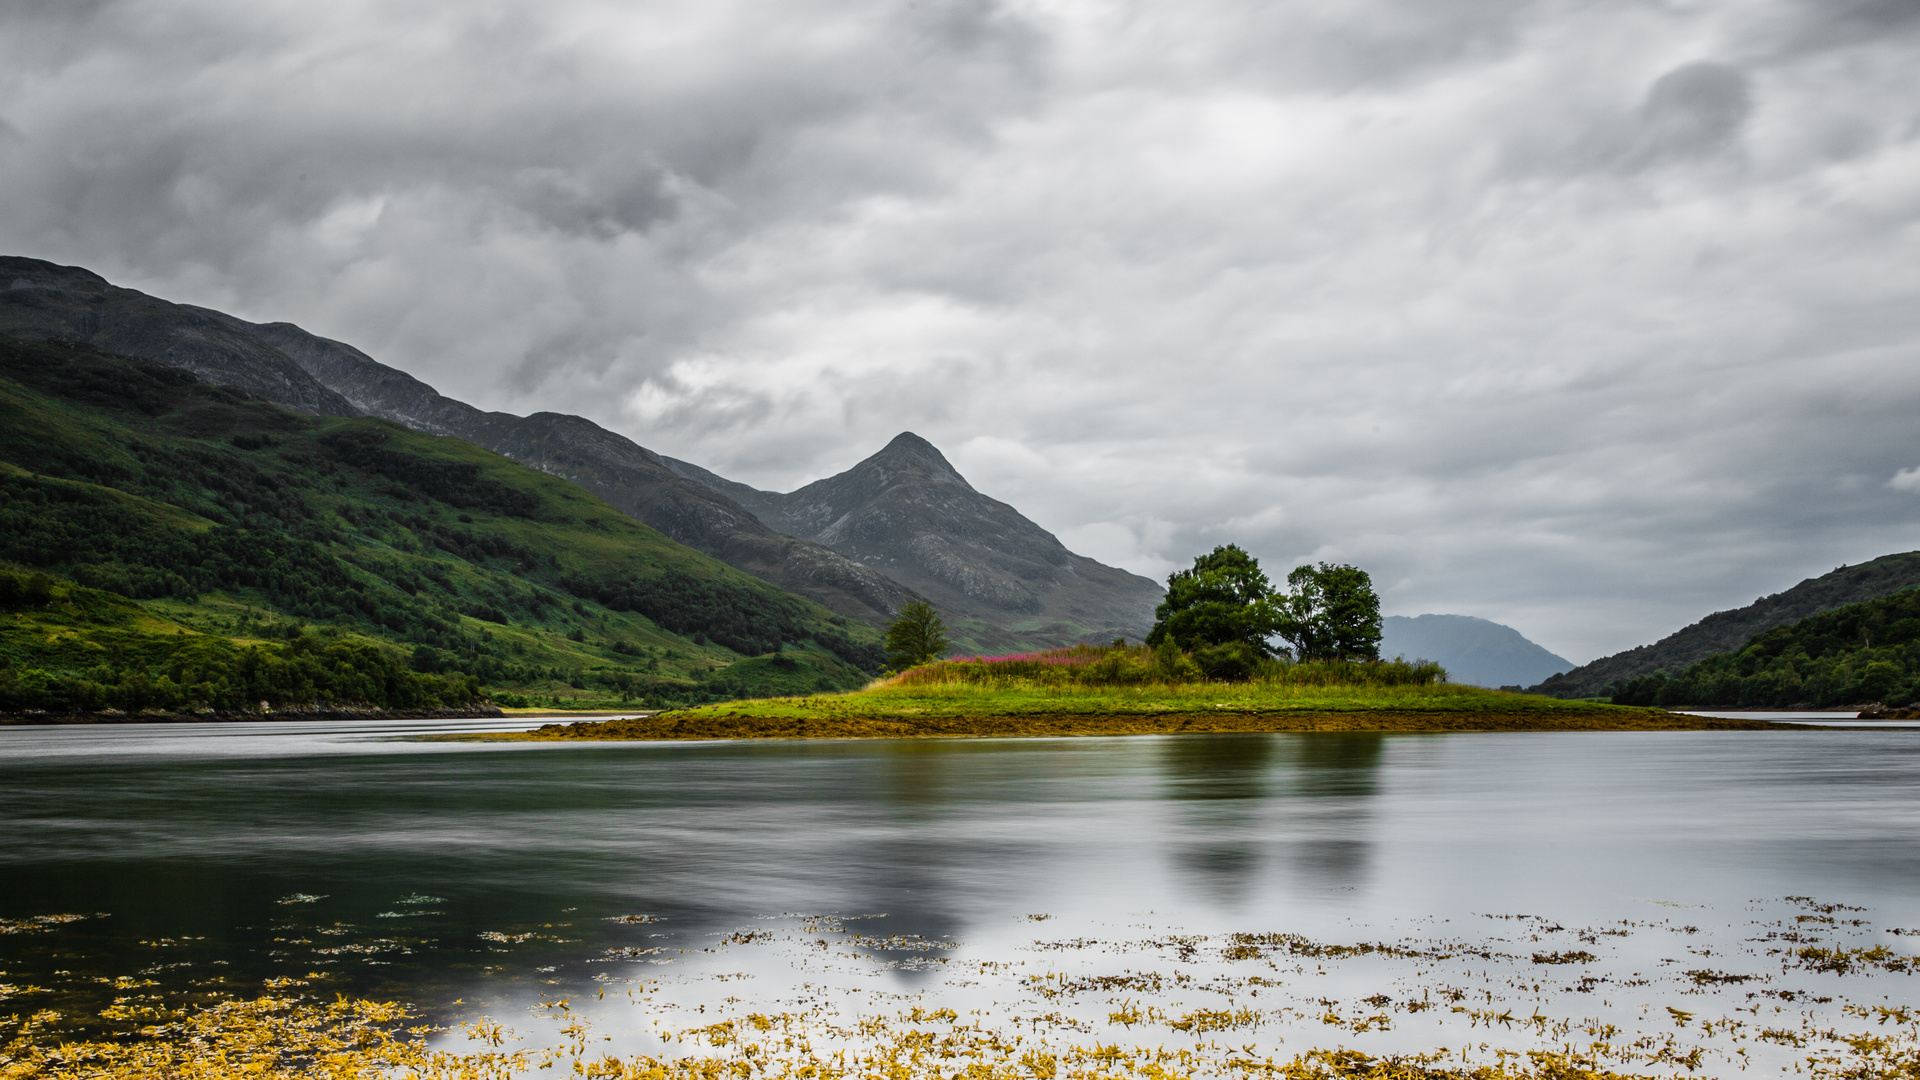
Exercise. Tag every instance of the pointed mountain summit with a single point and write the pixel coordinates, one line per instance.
(999, 579)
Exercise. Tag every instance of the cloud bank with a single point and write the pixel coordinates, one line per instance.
(1588, 319)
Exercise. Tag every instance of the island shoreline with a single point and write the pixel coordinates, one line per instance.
(747, 727)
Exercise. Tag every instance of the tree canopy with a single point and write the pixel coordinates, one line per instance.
(916, 636)
(1330, 613)
(1224, 599)
(1224, 611)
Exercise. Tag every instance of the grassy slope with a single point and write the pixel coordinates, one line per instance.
(119, 470)
(887, 710)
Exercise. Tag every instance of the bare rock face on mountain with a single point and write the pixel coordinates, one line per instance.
(285, 364)
(1726, 630)
(1001, 580)
(40, 300)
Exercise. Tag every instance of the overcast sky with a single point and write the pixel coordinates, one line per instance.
(1589, 318)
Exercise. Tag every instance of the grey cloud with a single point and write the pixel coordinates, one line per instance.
(597, 206)
(1695, 109)
(1338, 48)
(1823, 25)
(1692, 113)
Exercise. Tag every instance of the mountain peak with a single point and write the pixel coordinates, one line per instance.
(907, 512)
(908, 452)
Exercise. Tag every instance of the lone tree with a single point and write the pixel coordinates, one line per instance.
(1224, 602)
(1331, 613)
(916, 636)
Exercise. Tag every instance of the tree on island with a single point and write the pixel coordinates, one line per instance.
(1224, 611)
(916, 636)
(1331, 613)
(1221, 611)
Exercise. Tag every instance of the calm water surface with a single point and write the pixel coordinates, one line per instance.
(488, 874)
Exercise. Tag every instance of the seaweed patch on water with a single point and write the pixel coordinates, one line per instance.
(832, 997)
(38, 924)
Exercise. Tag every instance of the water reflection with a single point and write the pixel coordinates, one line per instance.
(1219, 767)
(1338, 763)
(1240, 795)
(953, 839)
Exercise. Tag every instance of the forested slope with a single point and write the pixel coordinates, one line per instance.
(166, 542)
(1858, 654)
(1731, 630)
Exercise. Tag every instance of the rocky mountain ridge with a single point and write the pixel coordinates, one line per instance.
(40, 301)
(632, 478)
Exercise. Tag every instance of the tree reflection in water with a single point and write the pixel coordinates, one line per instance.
(1239, 795)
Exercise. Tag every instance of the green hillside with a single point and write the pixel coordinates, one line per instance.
(1853, 655)
(167, 544)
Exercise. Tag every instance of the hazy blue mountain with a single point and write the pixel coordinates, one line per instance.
(1472, 650)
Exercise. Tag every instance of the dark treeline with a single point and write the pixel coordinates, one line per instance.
(114, 666)
(455, 483)
(1857, 654)
(91, 536)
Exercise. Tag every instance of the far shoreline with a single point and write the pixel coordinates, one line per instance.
(317, 714)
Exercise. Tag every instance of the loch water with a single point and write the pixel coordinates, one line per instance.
(386, 860)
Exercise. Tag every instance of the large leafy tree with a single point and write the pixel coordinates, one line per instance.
(916, 636)
(1330, 613)
(1225, 600)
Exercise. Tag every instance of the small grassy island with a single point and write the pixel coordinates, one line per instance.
(1135, 690)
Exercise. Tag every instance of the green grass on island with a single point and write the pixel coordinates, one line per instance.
(1088, 690)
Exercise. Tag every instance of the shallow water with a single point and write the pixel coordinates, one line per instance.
(211, 858)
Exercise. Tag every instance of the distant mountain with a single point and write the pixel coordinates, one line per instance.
(287, 365)
(1724, 631)
(1472, 650)
(1000, 579)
